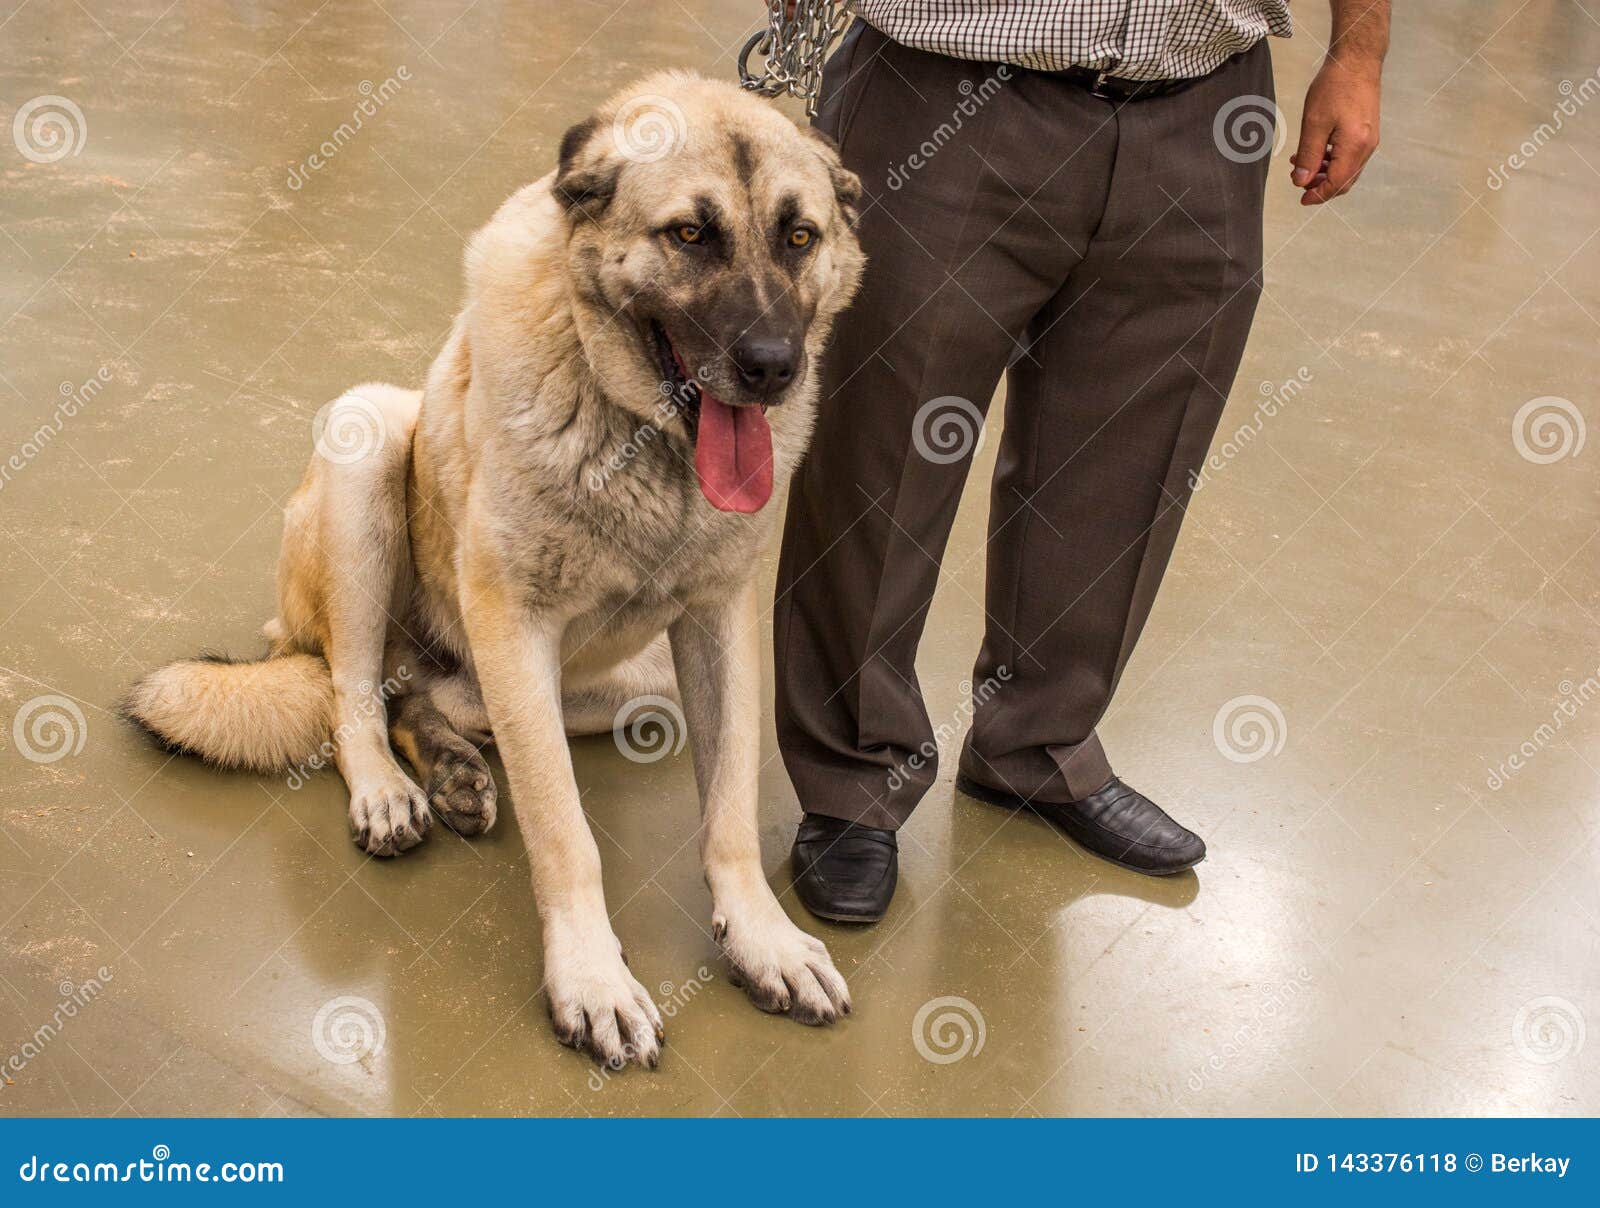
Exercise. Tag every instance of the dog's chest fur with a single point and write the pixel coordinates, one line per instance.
(639, 537)
(610, 531)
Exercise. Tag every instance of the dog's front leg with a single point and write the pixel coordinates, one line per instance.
(595, 1003)
(715, 651)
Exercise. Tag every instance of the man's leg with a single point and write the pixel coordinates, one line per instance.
(1112, 409)
(958, 264)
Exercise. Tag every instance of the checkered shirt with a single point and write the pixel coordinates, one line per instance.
(1130, 39)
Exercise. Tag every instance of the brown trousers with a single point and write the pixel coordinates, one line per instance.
(1106, 257)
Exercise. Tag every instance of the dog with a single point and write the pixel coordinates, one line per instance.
(566, 518)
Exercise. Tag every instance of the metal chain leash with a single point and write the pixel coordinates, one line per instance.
(794, 47)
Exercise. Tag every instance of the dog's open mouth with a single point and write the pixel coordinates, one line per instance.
(732, 442)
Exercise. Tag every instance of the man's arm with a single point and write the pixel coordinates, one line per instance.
(1339, 128)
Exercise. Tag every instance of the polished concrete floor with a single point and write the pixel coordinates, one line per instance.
(1368, 680)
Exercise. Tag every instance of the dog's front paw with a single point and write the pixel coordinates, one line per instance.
(461, 788)
(388, 819)
(598, 1006)
(781, 967)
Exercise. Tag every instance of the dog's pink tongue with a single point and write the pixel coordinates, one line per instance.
(733, 456)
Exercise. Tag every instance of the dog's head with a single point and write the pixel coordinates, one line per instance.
(710, 245)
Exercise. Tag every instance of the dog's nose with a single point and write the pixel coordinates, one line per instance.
(765, 362)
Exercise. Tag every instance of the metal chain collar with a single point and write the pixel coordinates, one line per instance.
(794, 48)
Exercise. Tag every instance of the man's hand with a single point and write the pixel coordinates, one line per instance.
(1339, 127)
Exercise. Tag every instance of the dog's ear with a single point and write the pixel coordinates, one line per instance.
(847, 188)
(846, 184)
(586, 177)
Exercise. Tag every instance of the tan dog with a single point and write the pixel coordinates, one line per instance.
(568, 513)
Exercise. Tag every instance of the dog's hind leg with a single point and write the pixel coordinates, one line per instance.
(441, 730)
(451, 767)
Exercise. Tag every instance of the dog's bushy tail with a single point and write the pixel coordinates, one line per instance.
(267, 716)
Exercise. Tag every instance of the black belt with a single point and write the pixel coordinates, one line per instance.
(1113, 88)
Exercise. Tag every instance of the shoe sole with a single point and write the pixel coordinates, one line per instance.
(834, 917)
(988, 796)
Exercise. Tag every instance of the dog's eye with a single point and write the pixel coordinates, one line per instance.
(690, 234)
(801, 237)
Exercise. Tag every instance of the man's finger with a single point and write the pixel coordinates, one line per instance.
(1350, 154)
(1318, 173)
(1318, 190)
(1314, 134)
(1322, 189)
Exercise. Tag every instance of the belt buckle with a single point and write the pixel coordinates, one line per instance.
(1098, 88)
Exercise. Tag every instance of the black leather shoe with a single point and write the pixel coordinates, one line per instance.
(844, 871)
(1115, 822)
